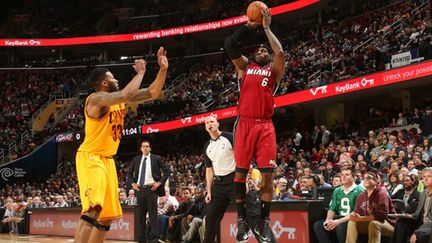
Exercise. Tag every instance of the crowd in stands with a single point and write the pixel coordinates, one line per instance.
(306, 159)
(213, 86)
(329, 54)
(23, 93)
(52, 19)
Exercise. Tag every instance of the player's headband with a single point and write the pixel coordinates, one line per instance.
(269, 50)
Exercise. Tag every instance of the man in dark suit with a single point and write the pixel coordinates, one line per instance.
(147, 175)
(419, 224)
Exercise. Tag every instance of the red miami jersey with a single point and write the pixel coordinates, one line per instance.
(256, 92)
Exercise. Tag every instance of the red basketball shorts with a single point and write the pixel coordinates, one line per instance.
(255, 139)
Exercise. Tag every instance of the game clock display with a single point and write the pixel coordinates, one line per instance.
(131, 131)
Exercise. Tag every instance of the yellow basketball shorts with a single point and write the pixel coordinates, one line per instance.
(98, 184)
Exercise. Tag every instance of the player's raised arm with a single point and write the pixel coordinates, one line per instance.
(233, 49)
(154, 91)
(278, 65)
(108, 92)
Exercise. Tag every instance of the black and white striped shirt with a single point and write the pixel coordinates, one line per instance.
(219, 154)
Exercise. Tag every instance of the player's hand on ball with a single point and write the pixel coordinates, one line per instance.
(266, 18)
(162, 59)
(140, 66)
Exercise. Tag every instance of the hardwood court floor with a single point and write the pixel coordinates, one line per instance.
(7, 238)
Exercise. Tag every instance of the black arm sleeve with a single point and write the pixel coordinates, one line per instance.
(230, 137)
(231, 43)
(207, 160)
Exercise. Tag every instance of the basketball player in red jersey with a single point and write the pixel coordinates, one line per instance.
(255, 136)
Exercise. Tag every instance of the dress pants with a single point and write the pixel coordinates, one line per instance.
(147, 203)
(374, 229)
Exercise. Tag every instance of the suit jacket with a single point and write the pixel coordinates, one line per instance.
(425, 228)
(160, 171)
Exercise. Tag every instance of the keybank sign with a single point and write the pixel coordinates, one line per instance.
(278, 230)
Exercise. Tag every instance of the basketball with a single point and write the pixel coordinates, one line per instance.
(254, 9)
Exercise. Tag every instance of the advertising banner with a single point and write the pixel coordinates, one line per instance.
(40, 164)
(64, 223)
(151, 34)
(401, 59)
(287, 227)
(325, 91)
(406, 58)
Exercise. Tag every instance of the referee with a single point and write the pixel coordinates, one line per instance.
(220, 170)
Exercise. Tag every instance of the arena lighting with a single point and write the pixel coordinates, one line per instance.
(352, 85)
(151, 34)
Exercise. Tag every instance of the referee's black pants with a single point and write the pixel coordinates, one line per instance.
(222, 194)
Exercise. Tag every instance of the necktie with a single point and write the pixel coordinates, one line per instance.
(143, 168)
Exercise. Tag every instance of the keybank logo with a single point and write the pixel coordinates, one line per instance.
(151, 130)
(366, 81)
(120, 225)
(47, 223)
(69, 224)
(278, 231)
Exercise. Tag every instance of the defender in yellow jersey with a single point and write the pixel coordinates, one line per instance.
(96, 171)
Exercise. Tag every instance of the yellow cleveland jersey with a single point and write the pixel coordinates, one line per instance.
(102, 136)
(256, 175)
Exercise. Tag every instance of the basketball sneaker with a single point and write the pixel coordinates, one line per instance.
(263, 231)
(242, 230)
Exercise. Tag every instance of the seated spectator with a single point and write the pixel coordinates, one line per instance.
(165, 209)
(336, 181)
(411, 168)
(342, 204)
(417, 227)
(29, 202)
(329, 172)
(13, 216)
(370, 216)
(409, 195)
(122, 197)
(394, 184)
(194, 220)
(9, 213)
(304, 180)
(321, 168)
(131, 200)
(174, 221)
(322, 182)
(281, 191)
(37, 203)
(61, 203)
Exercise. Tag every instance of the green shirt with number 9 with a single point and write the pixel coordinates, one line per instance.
(343, 203)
